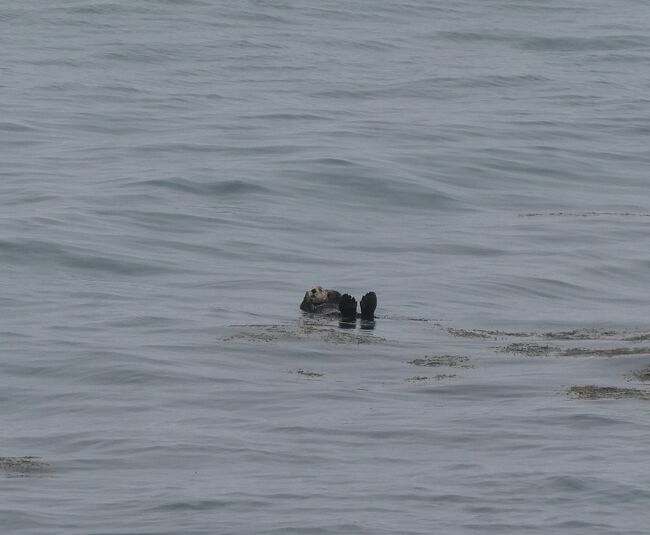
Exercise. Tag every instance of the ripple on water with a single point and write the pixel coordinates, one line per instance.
(217, 188)
(49, 253)
(171, 168)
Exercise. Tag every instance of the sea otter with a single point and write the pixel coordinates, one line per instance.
(323, 301)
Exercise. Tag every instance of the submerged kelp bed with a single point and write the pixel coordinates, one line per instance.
(25, 466)
(472, 349)
(324, 330)
(606, 392)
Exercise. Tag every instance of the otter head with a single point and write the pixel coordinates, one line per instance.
(318, 295)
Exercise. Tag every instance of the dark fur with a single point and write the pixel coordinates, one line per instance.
(319, 300)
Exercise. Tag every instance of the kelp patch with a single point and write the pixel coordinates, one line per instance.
(452, 361)
(301, 331)
(424, 379)
(24, 466)
(308, 373)
(606, 392)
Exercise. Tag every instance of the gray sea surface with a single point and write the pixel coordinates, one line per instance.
(175, 174)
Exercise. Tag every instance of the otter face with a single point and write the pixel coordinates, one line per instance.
(317, 296)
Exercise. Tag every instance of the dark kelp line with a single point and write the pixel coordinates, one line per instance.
(630, 215)
(540, 350)
(308, 373)
(24, 466)
(572, 334)
(424, 379)
(606, 392)
(301, 330)
(452, 361)
(330, 331)
(596, 342)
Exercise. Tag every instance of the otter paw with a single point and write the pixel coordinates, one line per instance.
(348, 307)
(368, 306)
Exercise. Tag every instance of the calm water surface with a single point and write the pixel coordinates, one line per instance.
(175, 174)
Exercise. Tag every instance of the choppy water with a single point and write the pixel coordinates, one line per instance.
(175, 174)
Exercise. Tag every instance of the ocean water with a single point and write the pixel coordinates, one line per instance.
(175, 174)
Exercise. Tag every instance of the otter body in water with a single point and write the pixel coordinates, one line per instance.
(320, 300)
